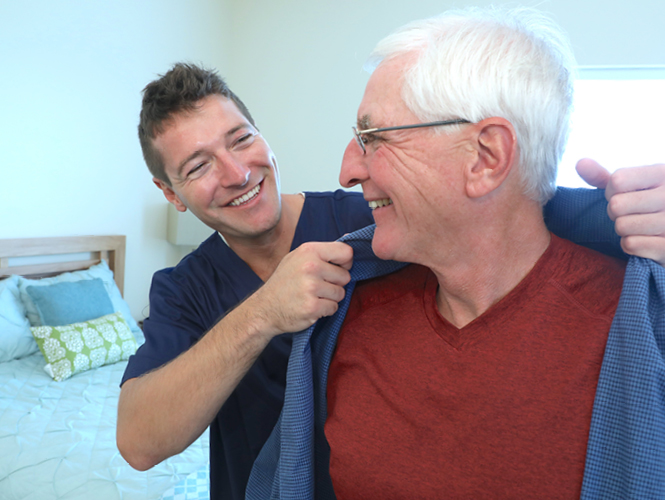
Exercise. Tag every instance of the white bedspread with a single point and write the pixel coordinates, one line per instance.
(57, 439)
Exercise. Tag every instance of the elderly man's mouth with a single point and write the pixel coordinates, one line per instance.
(374, 204)
(250, 195)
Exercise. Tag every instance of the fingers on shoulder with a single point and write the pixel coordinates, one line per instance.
(628, 179)
(649, 247)
(647, 201)
(322, 302)
(641, 225)
(334, 252)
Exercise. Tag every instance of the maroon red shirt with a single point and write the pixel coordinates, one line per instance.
(500, 408)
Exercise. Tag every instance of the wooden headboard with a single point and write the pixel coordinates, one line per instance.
(109, 248)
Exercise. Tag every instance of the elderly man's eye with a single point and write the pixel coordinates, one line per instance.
(367, 138)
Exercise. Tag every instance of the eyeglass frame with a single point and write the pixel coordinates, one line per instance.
(361, 142)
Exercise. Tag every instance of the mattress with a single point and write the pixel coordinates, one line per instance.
(196, 486)
(57, 439)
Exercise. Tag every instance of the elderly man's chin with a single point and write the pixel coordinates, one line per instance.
(386, 244)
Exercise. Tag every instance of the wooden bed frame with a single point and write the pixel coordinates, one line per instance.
(108, 248)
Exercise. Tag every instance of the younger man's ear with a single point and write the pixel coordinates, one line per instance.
(496, 145)
(170, 194)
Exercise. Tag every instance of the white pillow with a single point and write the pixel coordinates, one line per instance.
(16, 340)
(100, 271)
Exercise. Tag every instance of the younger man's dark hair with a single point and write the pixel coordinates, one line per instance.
(179, 90)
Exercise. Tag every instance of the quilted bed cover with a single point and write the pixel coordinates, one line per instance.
(57, 439)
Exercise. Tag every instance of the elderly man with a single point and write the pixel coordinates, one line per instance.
(476, 371)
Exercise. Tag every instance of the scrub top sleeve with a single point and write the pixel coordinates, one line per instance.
(170, 330)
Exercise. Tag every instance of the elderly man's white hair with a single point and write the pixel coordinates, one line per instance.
(482, 62)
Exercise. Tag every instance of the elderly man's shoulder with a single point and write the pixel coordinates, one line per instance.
(589, 279)
(385, 289)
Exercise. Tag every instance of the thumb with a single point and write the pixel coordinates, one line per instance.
(593, 173)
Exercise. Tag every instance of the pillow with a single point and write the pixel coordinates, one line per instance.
(16, 340)
(100, 271)
(78, 347)
(70, 302)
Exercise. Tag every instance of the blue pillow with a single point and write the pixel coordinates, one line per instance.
(71, 302)
(100, 271)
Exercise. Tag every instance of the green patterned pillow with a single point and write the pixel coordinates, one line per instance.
(78, 347)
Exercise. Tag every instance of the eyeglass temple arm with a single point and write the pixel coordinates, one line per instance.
(417, 125)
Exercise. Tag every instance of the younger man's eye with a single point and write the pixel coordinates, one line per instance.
(244, 140)
(195, 169)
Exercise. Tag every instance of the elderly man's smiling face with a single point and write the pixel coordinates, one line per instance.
(415, 176)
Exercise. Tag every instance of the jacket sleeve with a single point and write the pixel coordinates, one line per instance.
(580, 215)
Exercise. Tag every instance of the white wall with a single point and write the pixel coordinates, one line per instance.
(616, 122)
(297, 63)
(70, 82)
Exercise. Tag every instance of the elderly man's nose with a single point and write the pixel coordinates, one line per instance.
(353, 170)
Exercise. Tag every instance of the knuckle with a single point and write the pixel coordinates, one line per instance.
(310, 266)
(347, 250)
(659, 195)
(307, 248)
(331, 309)
(309, 288)
(649, 247)
(622, 226)
(615, 206)
(619, 178)
(309, 312)
(311, 307)
(630, 244)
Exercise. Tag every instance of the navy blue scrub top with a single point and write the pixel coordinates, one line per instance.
(187, 300)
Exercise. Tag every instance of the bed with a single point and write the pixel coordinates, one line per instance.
(57, 437)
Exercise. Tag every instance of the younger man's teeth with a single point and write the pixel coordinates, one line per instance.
(246, 197)
(380, 203)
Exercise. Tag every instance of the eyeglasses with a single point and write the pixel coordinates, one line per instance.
(362, 141)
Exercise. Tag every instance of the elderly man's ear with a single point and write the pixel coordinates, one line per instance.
(495, 143)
